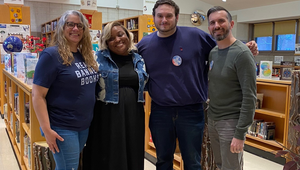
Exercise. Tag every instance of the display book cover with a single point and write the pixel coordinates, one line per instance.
(265, 69)
(286, 69)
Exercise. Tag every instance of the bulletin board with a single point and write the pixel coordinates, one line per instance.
(5, 13)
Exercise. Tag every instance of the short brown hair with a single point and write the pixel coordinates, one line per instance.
(168, 2)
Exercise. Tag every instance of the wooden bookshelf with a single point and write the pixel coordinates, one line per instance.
(275, 108)
(140, 26)
(15, 123)
(2, 95)
(47, 30)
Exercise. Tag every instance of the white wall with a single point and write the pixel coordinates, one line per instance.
(186, 6)
(281, 11)
(123, 4)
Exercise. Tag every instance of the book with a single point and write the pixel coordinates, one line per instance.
(19, 66)
(26, 114)
(265, 69)
(7, 62)
(30, 64)
(16, 103)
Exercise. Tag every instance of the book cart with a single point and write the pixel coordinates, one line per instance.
(21, 122)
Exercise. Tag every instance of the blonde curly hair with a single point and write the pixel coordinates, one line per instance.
(84, 46)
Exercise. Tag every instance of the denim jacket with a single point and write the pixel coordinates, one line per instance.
(109, 77)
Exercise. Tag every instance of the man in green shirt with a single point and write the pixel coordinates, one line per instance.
(232, 91)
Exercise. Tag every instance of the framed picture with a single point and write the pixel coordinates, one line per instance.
(286, 73)
(286, 68)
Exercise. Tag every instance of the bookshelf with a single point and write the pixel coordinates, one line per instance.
(276, 69)
(275, 108)
(48, 28)
(1, 91)
(140, 26)
(21, 123)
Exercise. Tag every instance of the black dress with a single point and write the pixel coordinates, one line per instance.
(116, 136)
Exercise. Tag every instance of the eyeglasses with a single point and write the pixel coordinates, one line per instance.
(72, 25)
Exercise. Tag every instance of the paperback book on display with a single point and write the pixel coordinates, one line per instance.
(7, 62)
(30, 64)
(265, 69)
(19, 66)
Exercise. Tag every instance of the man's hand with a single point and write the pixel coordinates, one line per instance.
(237, 145)
(253, 47)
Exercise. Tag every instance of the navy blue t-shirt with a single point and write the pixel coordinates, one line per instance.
(71, 95)
(177, 66)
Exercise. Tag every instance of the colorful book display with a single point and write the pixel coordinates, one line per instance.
(265, 69)
(19, 66)
(7, 62)
(30, 64)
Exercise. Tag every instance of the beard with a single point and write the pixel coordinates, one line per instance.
(221, 37)
(167, 30)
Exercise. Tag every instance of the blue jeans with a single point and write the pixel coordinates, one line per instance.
(69, 150)
(185, 123)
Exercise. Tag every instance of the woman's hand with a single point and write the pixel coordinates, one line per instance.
(51, 137)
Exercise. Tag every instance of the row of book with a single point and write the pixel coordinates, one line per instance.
(16, 106)
(27, 149)
(132, 24)
(49, 27)
(284, 72)
(22, 65)
(261, 129)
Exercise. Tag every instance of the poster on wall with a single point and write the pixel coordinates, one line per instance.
(148, 6)
(95, 34)
(20, 31)
(88, 4)
(15, 14)
(14, 2)
(89, 18)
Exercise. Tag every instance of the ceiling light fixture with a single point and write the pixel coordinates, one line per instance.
(224, 0)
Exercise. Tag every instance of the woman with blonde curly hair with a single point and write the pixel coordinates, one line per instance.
(117, 132)
(63, 90)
